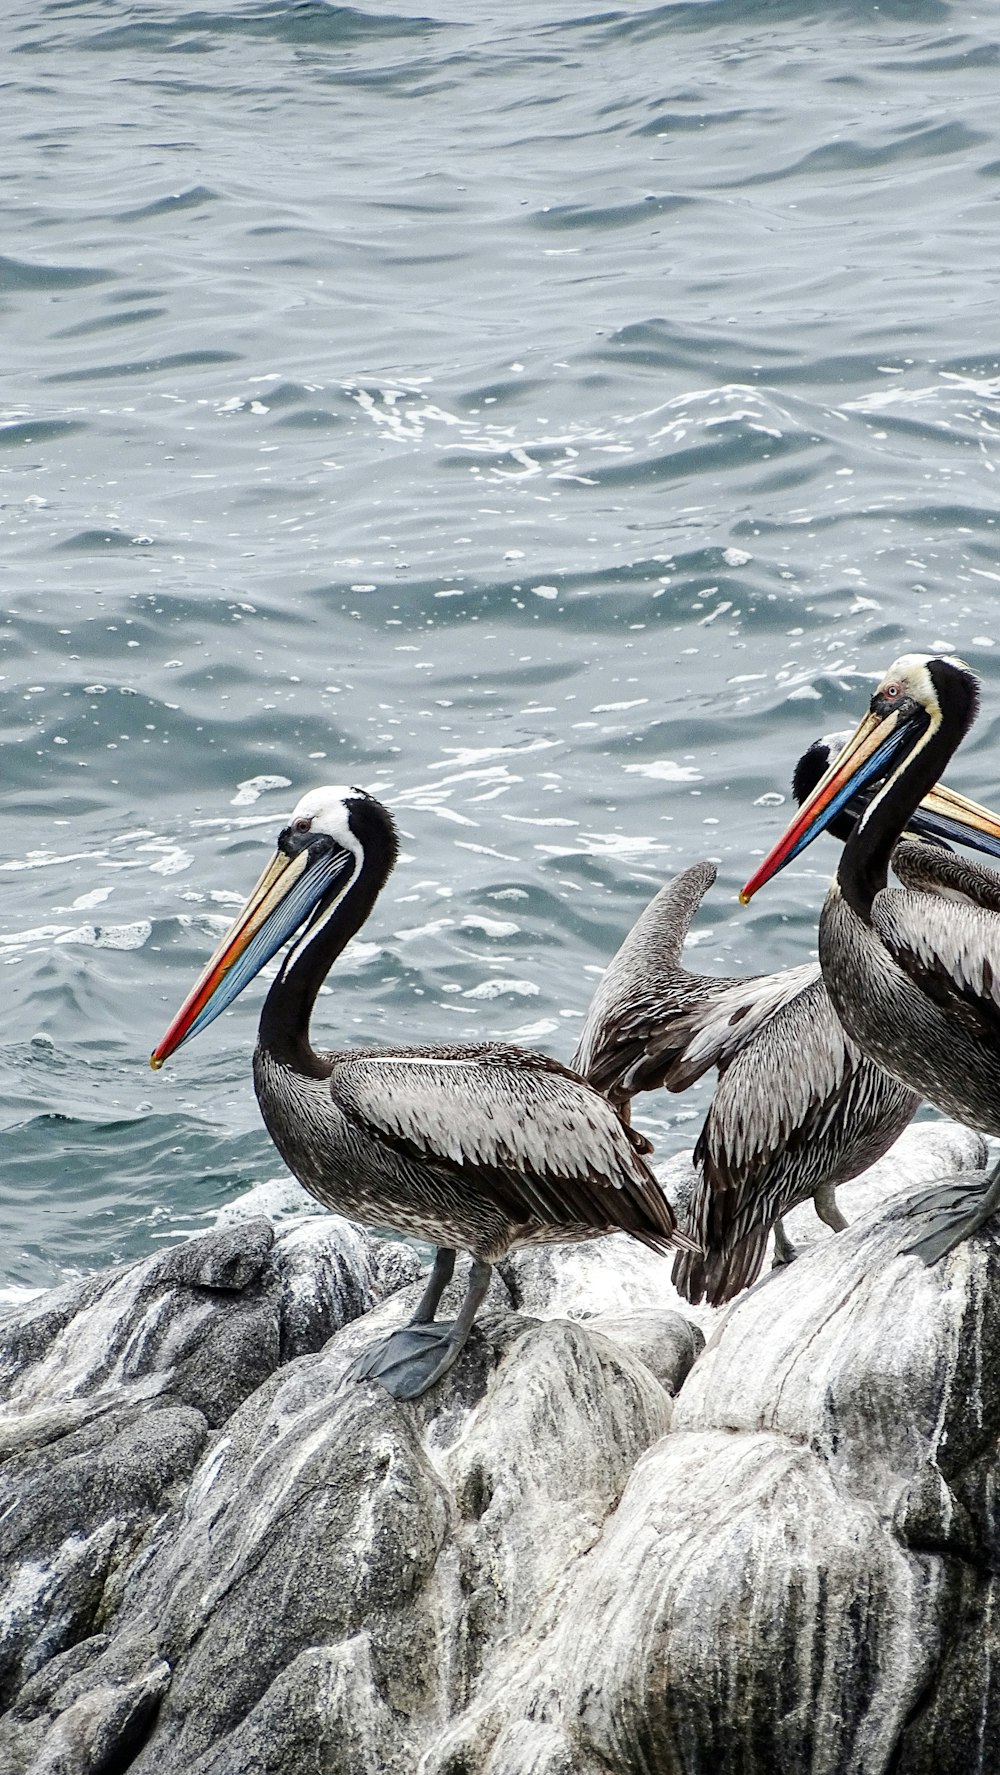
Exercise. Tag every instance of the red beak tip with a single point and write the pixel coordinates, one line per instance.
(156, 1060)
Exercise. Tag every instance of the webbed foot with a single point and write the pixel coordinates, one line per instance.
(956, 1210)
(410, 1360)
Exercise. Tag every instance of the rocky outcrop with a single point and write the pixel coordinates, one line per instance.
(596, 1547)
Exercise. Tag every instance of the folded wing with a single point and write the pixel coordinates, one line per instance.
(553, 1150)
(951, 951)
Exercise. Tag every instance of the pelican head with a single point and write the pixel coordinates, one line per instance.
(319, 856)
(920, 697)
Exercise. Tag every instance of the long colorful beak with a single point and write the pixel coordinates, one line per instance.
(287, 892)
(868, 754)
(945, 814)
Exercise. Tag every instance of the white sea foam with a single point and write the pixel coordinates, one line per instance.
(96, 897)
(491, 927)
(110, 936)
(254, 787)
(665, 770)
(276, 1197)
(503, 988)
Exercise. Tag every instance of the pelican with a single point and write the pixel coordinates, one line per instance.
(913, 975)
(486, 1147)
(798, 1109)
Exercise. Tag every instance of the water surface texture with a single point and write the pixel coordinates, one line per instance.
(549, 418)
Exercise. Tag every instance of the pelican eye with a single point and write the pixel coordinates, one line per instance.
(888, 697)
(294, 837)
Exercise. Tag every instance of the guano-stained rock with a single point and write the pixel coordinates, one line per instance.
(597, 1548)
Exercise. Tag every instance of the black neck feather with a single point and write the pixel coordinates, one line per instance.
(864, 866)
(284, 1021)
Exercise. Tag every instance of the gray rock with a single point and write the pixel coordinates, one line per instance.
(104, 1728)
(205, 1322)
(600, 1278)
(309, 1718)
(66, 1712)
(878, 1364)
(666, 1343)
(739, 1613)
(592, 1550)
(330, 1273)
(228, 1259)
(955, 1726)
(68, 1512)
(324, 1522)
(111, 1388)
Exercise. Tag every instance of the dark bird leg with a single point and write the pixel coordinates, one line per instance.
(442, 1270)
(784, 1250)
(410, 1360)
(956, 1209)
(825, 1203)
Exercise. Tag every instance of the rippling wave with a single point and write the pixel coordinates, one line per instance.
(549, 419)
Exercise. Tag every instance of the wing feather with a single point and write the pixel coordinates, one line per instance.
(549, 1147)
(652, 1023)
(644, 984)
(715, 1031)
(927, 869)
(799, 1107)
(951, 951)
(783, 1086)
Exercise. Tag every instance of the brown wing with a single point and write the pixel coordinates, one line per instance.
(550, 1147)
(652, 1023)
(927, 869)
(951, 951)
(799, 1107)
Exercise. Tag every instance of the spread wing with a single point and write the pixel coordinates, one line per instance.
(651, 1023)
(716, 1030)
(951, 951)
(549, 1148)
(644, 985)
(794, 1109)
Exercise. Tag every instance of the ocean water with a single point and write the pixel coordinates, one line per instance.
(548, 417)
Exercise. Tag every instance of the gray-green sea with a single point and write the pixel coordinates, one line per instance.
(548, 417)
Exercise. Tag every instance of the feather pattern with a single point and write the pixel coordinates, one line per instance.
(798, 1110)
(918, 988)
(643, 989)
(651, 1023)
(716, 1030)
(932, 942)
(486, 1146)
(797, 1106)
(927, 869)
(495, 1107)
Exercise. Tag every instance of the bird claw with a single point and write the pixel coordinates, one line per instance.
(957, 1210)
(410, 1360)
